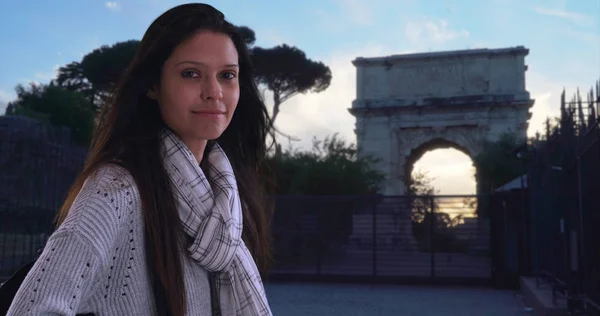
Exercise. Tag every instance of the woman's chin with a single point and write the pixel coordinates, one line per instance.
(208, 134)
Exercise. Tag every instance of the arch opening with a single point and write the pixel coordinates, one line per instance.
(445, 165)
(445, 170)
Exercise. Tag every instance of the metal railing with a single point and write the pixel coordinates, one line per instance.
(353, 238)
(344, 237)
(38, 164)
(565, 209)
(390, 238)
(430, 238)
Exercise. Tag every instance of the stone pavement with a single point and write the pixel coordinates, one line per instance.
(294, 299)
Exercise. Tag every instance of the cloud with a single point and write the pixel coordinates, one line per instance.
(450, 169)
(91, 44)
(546, 93)
(356, 11)
(329, 22)
(478, 45)
(47, 76)
(269, 38)
(325, 113)
(593, 39)
(113, 6)
(573, 17)
(432, 32)
(5, 98)
(346, 14)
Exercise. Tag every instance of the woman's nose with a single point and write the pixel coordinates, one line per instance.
(211, 89)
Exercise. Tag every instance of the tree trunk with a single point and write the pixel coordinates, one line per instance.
(276, 103)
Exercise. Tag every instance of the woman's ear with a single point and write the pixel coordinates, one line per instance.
(152, 93)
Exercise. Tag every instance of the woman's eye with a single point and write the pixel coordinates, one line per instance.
(228, 75)
(190, 74)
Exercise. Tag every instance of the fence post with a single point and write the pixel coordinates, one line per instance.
(431, 234)
(320, 212)
(374, 211)
(580, 224)
(577, 262)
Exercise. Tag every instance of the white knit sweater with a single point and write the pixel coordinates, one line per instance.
(95, 261)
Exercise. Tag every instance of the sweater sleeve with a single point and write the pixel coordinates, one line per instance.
(59, 279)
(62, 278)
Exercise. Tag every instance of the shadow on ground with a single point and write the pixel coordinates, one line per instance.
(289, 299)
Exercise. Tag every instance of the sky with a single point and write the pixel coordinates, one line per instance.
(563, 38)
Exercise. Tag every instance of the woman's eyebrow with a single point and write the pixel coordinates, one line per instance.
(199, 63)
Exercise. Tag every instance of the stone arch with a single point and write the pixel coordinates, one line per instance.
(407, 103)
(435, 143)
(413, 143)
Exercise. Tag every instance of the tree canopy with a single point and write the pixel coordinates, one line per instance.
(498, 163)
(56, 106)
(286, 71)
(99, 71)
(421, 184)
(332, 167)
(247, 35)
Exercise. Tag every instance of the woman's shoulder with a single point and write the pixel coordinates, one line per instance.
(106, 204)
(112, 177)
(109, 182)
(109, 186)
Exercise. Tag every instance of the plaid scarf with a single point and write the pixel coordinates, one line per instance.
(211, 214)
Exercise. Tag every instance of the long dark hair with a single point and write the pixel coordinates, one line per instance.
(129, 134)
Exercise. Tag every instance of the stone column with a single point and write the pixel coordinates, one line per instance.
(396, 214)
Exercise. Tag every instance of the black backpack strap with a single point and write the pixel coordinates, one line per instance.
(215, 303)
(9, 289)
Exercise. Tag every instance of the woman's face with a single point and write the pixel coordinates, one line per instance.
(199, 88)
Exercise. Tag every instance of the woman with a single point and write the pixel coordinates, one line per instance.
(154, 223)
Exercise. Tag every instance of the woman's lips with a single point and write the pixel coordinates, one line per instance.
(209, 113)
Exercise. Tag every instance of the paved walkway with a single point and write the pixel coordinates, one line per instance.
(383, 300)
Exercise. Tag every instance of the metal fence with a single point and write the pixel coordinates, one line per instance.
(353, 238)
(38, 164)
(381, 238)
(509, 216)
(565, 207)
(371, 238)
